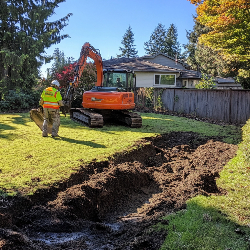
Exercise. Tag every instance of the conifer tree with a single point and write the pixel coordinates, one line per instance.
(163, 41)
(173, 46)
(59, 62)
(206, 59)
(25, 33)
(157, 41)
(128, 50)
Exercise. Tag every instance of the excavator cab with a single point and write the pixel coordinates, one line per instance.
(121, 79)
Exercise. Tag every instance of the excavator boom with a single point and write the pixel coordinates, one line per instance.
(91, 52)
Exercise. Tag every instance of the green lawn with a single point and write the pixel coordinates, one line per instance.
(25, 155)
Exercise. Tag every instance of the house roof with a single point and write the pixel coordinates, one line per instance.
(137, 64)
(190, 74)
(185, 65)
(224, 80)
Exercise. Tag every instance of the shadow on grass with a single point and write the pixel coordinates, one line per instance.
(4, 127)
(21, 119)
(203, 227)
(86, 143)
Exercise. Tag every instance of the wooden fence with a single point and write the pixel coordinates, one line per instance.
(230, 106)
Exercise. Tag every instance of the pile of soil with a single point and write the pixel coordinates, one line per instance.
(114, 204)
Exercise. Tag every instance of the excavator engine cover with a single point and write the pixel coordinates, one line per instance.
(37, 116)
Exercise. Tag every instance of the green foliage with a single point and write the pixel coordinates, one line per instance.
(244, 81)
(152, 98)
(206, 82)
(163, 41)
(16, 100)
(87, 82)
(59, 61)
(156, 43)
(25, 34)
(128, 49)
(191, 46)
(244, 78)
(226, 41)
(173, 46)
(159, 102)
(204, 58)
(149, 95)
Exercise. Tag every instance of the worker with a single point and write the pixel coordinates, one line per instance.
(118, 82)
(51, 101)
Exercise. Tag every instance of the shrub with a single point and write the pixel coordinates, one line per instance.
(16, 100)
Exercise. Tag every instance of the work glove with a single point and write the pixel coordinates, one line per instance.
(63, 110)
(40, 109)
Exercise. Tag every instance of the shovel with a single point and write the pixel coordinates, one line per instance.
(37, 116)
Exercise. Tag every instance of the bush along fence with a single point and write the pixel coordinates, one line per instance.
(230, 106)
(17, 101)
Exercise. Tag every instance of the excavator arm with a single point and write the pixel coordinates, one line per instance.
(88, 51)
(91, 52)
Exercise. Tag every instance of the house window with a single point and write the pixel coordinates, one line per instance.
(166, 80)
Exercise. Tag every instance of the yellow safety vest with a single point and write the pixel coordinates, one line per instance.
(51, 96)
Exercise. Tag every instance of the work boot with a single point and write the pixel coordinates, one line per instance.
(44, 134)
(55, 135)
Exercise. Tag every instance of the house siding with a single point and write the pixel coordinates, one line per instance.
(146, 80)
(165, 62)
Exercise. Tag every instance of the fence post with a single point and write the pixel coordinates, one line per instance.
(174, 102)
(230, 106)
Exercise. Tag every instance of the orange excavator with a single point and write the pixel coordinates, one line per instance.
(111, 99)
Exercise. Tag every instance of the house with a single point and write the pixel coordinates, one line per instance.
(225, 83)
(162, 71)
(148, 74)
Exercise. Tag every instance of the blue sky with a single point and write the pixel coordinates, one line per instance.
(103, 23)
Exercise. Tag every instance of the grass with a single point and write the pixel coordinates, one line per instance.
(29, 161)
(217, 222)
(203, 227)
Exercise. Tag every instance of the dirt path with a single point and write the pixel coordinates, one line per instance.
(113, 204)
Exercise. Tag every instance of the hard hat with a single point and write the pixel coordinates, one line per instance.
(56, 83)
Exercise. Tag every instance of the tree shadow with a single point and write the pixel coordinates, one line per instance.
(4, 127)
(20, 120)
(86, 143)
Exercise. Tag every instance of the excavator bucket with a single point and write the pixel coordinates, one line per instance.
(37, 116)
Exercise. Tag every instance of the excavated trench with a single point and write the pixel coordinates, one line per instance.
(114, 204)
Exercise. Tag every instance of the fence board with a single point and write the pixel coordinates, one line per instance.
(231, 106)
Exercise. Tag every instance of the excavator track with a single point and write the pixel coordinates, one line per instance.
(86, 117)
(96, 118)
(128, 118)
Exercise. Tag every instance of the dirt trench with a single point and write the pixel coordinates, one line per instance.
(114, 204)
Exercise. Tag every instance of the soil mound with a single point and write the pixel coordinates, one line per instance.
(113, 204)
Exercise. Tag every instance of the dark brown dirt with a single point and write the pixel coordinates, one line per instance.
(114, 204)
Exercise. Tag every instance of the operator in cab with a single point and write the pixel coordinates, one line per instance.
(51, 101)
